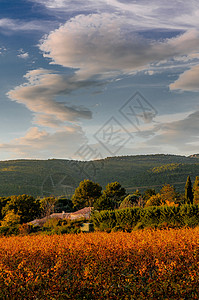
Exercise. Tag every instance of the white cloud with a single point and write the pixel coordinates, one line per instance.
(95, 46)
(13, 25)
(2, 50)
(41, 144)
(188, 81)
(39, 96)
(181, 134)
(110, 39)
(171, 133)
(107, 45)
(73, 5)
(22, 54)
(176, 14)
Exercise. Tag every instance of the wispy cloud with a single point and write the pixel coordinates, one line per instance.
(96, 47)
(182, 134)
(39, 96)
(159, 14)
(42, 144)
(187, 81)
(103, 40)
(73, 5)
(12, 25)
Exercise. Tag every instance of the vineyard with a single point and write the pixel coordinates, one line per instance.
(145, 264)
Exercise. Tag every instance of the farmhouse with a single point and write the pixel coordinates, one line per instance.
(82, 213)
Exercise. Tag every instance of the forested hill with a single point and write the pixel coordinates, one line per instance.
(60, 177)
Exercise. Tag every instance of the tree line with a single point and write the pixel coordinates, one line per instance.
(114, 196)
(24, 208)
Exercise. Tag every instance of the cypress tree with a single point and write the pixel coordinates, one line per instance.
(188, 191)
(196, 191)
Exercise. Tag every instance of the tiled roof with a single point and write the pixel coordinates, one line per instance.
(82, 213)
(84, 210)
(62, 215)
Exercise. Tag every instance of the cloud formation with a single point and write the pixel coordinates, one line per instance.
(103, 40)
(40, 143)
(39, 96)
(73, 5)
(158, 13)
(187, 81)
(2, 50)
(107, 45)
(22, 54)
(13, 25)
(181, 134)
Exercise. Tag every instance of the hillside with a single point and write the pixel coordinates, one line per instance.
(61, 177)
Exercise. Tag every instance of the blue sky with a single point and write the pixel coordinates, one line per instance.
(91, 79)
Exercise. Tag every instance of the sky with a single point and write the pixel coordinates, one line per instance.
(93, 79)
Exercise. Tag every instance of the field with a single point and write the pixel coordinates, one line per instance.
(161, 264)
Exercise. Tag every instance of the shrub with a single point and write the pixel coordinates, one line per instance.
(117, 228)
(189, 215)
(128, 217)
(149, 217)
(25, 229)
(104, 220)
(59, 226)
(11, 230)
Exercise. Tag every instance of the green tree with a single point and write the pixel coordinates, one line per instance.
(11, 219)
(104, 203)
(3, 202)
(196, 191)
(47, 205)
(154, 200)
(188, 191)
(63, 204)
(168, 193)
(23, 205)
(148, 193)
(129, 201)
(180, 198)
(86, 194)
(115, 192)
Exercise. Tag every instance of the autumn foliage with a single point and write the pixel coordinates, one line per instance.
(145, 264)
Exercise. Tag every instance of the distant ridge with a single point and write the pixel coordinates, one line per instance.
(194, 156)
(61, 177)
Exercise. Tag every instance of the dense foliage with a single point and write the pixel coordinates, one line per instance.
(138, 265)
(164, 209)
(86, 194)
(114, 191)
(148, 217)
(18, 210)
(61, 226)
(25, 206)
